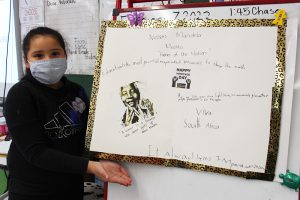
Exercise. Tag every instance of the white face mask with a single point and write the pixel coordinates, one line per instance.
(48, 71)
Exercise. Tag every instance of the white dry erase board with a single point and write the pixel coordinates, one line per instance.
(155, 182)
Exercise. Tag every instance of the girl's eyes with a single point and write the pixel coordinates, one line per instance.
(55, 53)
(38, 55)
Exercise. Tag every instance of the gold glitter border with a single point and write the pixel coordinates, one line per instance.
(277, 95)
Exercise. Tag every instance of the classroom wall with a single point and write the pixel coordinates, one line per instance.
(86, 82)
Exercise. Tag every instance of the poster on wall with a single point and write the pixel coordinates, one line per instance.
(202, 95)
(31, 13)
(80, 27)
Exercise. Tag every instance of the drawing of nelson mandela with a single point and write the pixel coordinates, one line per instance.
(136, 109)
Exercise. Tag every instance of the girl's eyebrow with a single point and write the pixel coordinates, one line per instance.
(39, 51)
(55, 49)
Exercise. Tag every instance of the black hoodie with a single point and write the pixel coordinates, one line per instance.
(47, 127)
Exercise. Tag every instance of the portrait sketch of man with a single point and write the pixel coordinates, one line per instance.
(136, 109)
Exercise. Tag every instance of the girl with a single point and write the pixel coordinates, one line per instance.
(47, 117)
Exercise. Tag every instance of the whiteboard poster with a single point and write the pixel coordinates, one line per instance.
(203, 95)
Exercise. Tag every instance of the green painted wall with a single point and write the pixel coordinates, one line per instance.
(3, 182)
(86, 81)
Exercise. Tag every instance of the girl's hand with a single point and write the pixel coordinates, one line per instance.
(109, 171)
